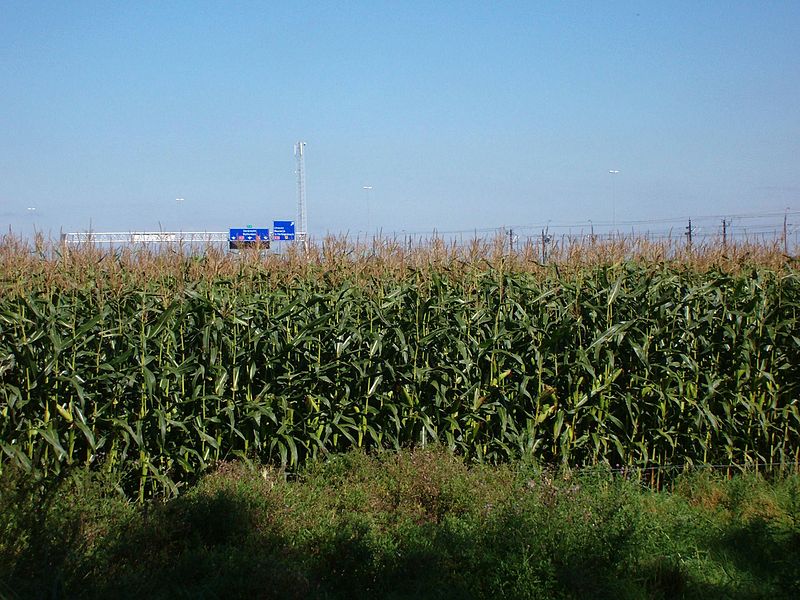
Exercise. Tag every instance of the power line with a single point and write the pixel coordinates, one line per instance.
(731, 219)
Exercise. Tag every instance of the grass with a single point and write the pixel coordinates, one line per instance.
(419, 524)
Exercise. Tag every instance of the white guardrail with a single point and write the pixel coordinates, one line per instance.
(144, 237)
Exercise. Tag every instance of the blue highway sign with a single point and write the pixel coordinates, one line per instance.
(248, 238)
(283, 230)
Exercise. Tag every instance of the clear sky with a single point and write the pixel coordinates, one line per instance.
(460, 115)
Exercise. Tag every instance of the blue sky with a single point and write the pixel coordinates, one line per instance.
(460, 115)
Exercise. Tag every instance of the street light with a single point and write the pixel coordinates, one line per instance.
(368, 189)
(613, 198)
(32, 213)
(178, 204)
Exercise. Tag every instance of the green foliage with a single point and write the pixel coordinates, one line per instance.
(415, 524)
(630, 364)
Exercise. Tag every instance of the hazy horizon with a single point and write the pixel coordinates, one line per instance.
(459, 116)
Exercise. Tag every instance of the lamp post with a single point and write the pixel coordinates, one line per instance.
(613, 172)
(32, 212)
(178, 204)
(368, 189)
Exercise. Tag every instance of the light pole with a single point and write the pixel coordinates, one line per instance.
(613, 199)
(178, 204)
(368, 189)
(32, 212)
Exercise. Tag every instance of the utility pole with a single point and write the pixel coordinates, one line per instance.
(785, 239)
(299, 152)
(546, 239)
(689, 233)
(724, 233)
(544, 255)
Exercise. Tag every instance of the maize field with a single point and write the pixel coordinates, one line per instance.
(155, 365)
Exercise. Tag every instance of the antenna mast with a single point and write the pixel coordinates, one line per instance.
(299, 152)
